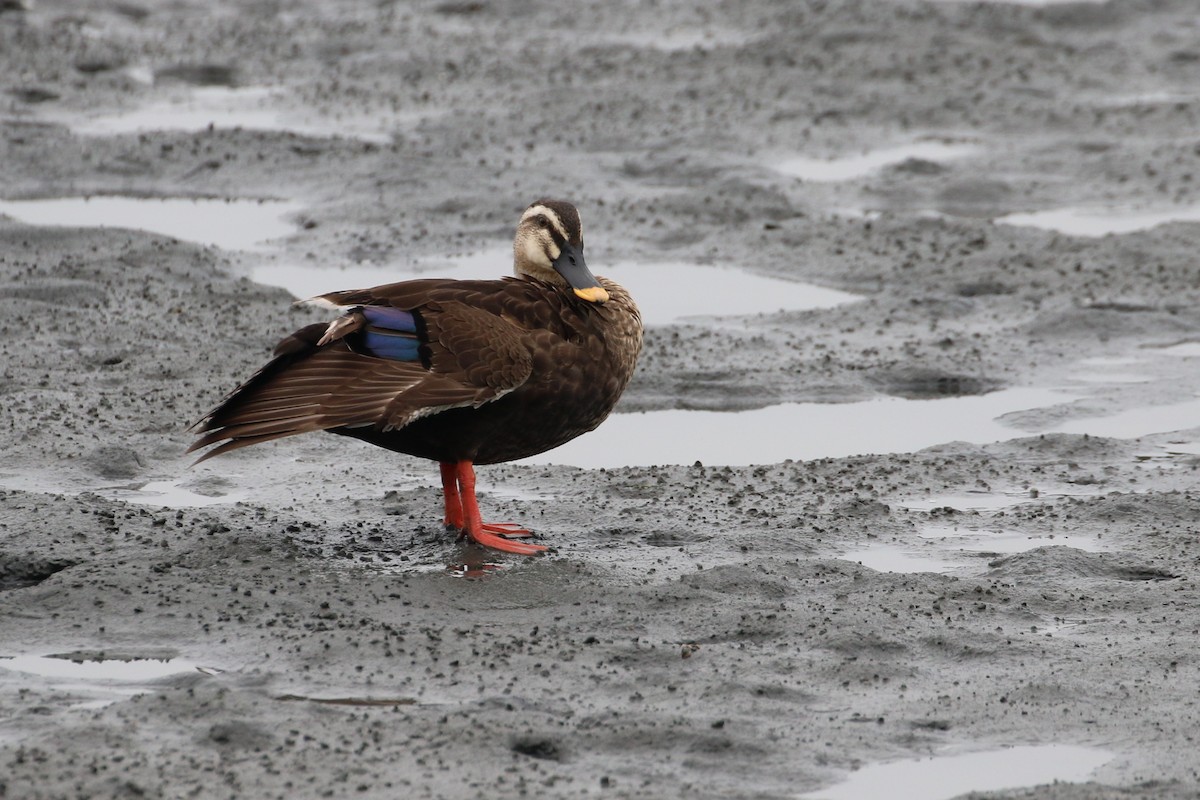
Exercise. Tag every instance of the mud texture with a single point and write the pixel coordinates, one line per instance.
(696, 630)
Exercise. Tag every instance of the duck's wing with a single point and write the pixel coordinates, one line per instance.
(377, 366)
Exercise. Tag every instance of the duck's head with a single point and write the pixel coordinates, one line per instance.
(549, 246)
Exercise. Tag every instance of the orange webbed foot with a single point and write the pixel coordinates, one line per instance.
(486, 538)
(507, 529)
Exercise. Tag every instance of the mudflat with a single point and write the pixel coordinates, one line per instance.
(949, 513)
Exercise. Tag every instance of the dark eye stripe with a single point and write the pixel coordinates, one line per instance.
(562, 218)
(545, 224)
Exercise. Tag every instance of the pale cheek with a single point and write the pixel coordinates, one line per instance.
(535, 254)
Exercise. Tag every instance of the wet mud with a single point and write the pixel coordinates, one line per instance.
(293, 618)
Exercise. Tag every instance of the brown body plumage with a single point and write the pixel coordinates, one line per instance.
(460, 372)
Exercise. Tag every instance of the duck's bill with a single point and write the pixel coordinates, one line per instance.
(593, 294)
(570, 265)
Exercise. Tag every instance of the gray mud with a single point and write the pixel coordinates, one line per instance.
(696, 630)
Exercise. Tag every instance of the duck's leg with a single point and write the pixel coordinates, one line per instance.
(454, 517)
(454, 509)
(473, 524)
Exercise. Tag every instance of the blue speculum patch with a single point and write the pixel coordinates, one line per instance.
(391, 333)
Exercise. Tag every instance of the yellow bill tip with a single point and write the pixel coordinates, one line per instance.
(593, 294)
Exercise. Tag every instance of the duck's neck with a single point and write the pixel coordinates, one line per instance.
(550, 276)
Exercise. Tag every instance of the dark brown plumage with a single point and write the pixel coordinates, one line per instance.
(459, 372)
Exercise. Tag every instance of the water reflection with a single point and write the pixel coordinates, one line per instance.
(896, 558)
(848, 168)
(988, 501)
(1182, 350)
(946, 776)
(230, 224)
(803, 431)
(99, 668)
(1100, 221)
(796, 431)
(962, 551)
(474, 564)
(367, 702)
(1137, 422)
(168, 494)
(92, 680)
(250, 108)
(948, 537)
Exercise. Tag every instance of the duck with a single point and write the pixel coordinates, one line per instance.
(461, 372)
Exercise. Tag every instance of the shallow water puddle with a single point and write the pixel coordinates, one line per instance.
(164, 493)
(249, 108)
(983, 541)
(102, 681)
(987, 501)
(1096, 222)
(848, 168)
(949, 549)
(349, 701)
(168, 494)
(1182, 350)
(966, 501)
(1174, 447)
(796, 431)
(666, 292)
(904, 559)
(897, 558)
(1137, 422)
(1111, 377)
(1108, 369)
(102, 670)
(803, 431)
(1157, 98)
(945, 776)
(230, 224)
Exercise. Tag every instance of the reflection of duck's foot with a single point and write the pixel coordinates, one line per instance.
(473, 570)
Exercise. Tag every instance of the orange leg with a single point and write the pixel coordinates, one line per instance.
(462, 512)
(454, 509)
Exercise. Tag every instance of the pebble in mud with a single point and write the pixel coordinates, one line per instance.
(286, 592)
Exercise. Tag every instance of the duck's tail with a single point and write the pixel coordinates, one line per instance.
(354, 372)
(267, 406)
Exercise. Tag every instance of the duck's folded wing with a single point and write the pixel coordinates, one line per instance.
(474, 347)
(382, 370)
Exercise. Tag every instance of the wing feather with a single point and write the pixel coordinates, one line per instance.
(470, 356)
